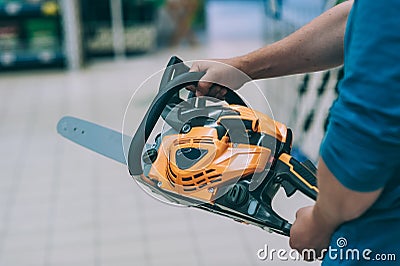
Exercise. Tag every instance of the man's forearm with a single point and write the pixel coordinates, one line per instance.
(337, 204)
(314, 47)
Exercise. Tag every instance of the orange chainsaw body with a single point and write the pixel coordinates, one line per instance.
(220, 161)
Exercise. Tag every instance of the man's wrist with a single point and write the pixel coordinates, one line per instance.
(243, 64)
(256, 65)
(324, 222)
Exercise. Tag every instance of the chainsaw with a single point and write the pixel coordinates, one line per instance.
(218, 156)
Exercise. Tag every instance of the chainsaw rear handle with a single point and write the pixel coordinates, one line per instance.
(294, 175)
(155, 110)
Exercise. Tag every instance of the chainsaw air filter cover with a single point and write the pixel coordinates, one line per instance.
(192, 150)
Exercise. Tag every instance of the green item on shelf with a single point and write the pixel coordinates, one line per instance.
(42, 34)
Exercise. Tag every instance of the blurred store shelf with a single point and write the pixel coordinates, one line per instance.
(30, 34)
(28, 8)
(25, 59)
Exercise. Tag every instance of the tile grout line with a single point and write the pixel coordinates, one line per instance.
(194, 238)
(96, 215)
(55, 187)
(17, 173)
(142, 221)
(245, 243)
(3, 113)
(96, 198)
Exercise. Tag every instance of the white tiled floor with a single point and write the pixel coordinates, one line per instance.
(63, 205)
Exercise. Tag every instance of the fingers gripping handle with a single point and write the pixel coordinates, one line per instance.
(294, 175)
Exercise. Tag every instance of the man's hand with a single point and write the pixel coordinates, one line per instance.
(220, 74)
(335, 205)
(310, 232)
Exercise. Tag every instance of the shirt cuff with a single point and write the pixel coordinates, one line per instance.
(358, 161)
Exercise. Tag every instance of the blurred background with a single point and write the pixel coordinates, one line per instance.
(63, 205)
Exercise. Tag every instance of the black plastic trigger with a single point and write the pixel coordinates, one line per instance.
(289, 188)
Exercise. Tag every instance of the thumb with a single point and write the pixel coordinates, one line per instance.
(202, 87)
(205, 83)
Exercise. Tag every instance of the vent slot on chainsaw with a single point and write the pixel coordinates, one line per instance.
(194, 182)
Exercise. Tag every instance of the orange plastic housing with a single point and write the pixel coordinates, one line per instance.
(223, 164)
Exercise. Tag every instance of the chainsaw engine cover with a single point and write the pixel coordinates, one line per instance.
(201, 147)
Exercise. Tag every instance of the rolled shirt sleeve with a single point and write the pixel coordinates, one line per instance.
(362, 144)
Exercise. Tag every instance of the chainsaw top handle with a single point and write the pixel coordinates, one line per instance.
(155, 110)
